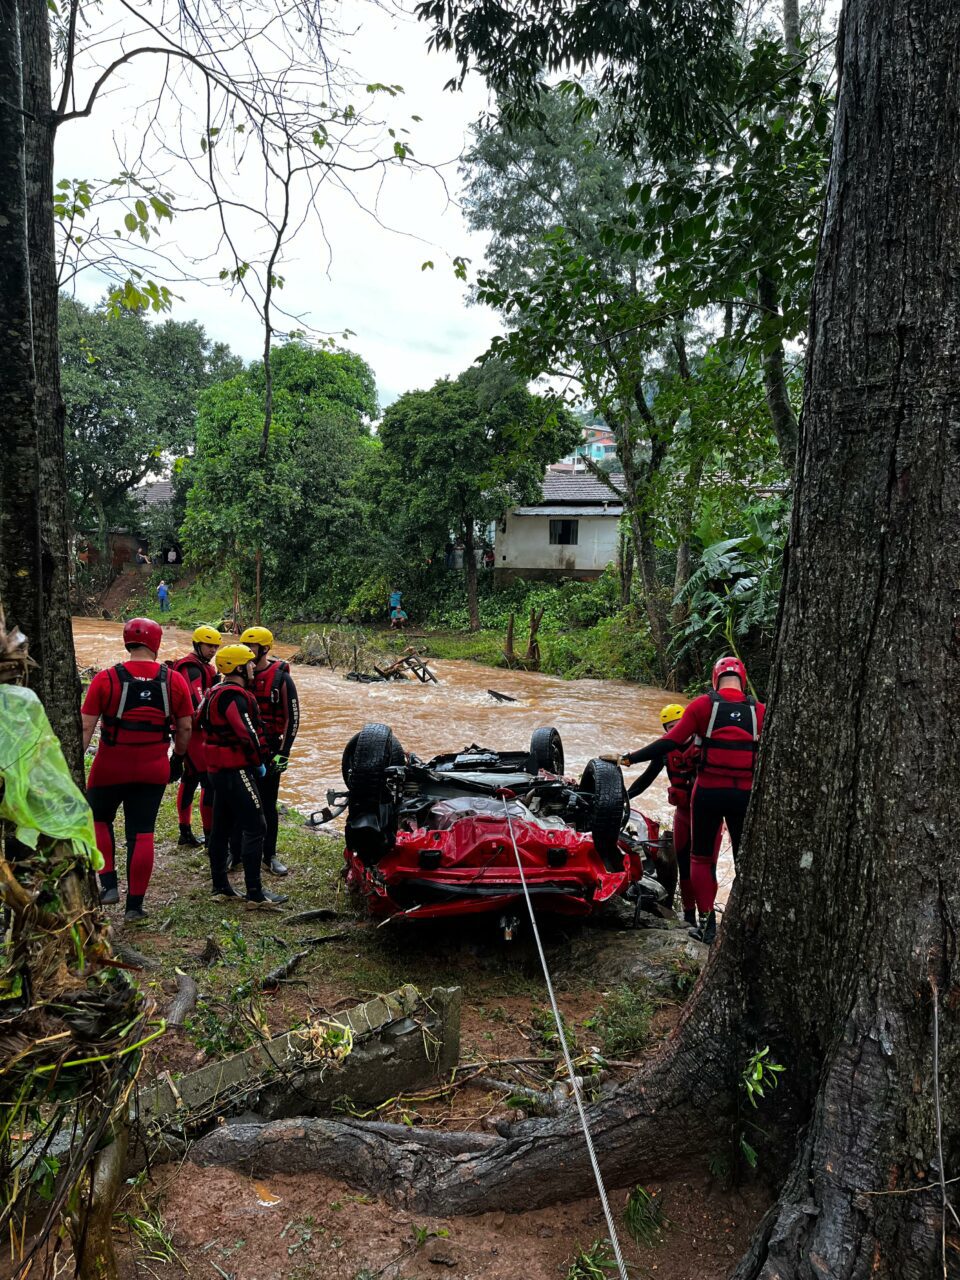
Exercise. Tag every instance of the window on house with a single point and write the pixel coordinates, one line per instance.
(563, 533)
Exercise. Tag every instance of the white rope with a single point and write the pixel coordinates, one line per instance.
(574, 1085)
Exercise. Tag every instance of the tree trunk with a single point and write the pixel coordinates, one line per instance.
(20, 557)
(470, 574)
(625, 561)
(35, 573)
(840, 944)
(782, 417)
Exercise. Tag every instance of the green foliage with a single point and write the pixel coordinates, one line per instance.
(222, 1027)
(422, 1234)
(595, 1263)
(296, 503)
(545, 1029)
(623, 1021)
(759, 1074)
(734, 592)
(644, 1216)
(130, 390)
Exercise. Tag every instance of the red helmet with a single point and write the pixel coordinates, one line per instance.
(730, 667)
(143, 631)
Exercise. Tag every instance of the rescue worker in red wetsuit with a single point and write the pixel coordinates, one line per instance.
(199, 674)
(234, 747)
(279, 707)
(726, 724)
(681, 772)
(141, 704)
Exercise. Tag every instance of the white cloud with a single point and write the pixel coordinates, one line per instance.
(412, 326)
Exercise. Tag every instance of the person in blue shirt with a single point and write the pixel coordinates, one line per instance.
(395, 598)
(163, 595)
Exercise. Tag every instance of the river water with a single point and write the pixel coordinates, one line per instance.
(594, 717)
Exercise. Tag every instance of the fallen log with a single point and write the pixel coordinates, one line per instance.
(184, 1002)
(500, 697)
(282, 971)
(319, 913)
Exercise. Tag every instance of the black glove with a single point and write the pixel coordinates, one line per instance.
(176, 767)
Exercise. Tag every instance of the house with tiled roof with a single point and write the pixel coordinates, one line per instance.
(572, 532)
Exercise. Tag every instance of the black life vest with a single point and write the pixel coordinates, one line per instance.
(142, 716)
(268, 689)
(730, 742)
(225, 750)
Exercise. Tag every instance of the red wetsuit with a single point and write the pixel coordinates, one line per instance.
(279, 707)
(726, 725)
(681, 769)
(132, 765)
(235, 749)
(200, 676)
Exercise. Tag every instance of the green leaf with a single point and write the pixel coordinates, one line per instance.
(130, 222)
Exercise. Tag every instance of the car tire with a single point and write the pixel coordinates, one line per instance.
(602, 782)
(371, 812)
(546, 751)
(373, 753)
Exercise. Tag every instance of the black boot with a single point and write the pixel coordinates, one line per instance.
(690, 916)
(706, 931)
(134, 909)
(187, 839)
(109, 893)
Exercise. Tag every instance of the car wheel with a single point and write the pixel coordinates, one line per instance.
(546, 751)
(371, 812)
(602, 783)
(373, 754)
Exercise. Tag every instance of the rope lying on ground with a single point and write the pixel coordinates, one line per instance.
(574, 1081)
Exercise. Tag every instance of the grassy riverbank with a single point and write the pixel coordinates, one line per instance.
(582, 634)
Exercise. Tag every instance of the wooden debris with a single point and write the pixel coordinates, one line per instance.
(184, 1002)
(319, 913)
(500, 697)
(282, 971)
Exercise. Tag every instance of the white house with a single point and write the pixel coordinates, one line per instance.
(572, 532)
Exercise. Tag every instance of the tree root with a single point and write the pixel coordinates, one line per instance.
(647, 1127)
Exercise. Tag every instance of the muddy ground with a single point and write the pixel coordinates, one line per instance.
(620, 992)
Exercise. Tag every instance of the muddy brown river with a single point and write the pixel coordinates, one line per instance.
(593, 716)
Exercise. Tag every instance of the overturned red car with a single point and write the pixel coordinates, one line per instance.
(443, 837)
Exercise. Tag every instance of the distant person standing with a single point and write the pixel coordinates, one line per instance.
(172, 556)
(395, 598)
(163, 595)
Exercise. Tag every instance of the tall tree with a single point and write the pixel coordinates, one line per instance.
(131, 391)
(840, 944)
(296, 505)
(461, 453)
(34, 578)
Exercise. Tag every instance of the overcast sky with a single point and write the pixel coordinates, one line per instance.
(412, 326)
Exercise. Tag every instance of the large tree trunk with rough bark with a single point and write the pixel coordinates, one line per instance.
(840, 944)
(34, 578)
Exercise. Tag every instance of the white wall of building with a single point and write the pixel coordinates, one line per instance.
(524, 544)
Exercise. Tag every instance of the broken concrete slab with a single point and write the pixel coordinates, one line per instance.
(399, 1042)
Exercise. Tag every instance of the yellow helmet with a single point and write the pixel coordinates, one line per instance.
(231, 657)
(257, 635)
(671, 713)
(207, 635)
